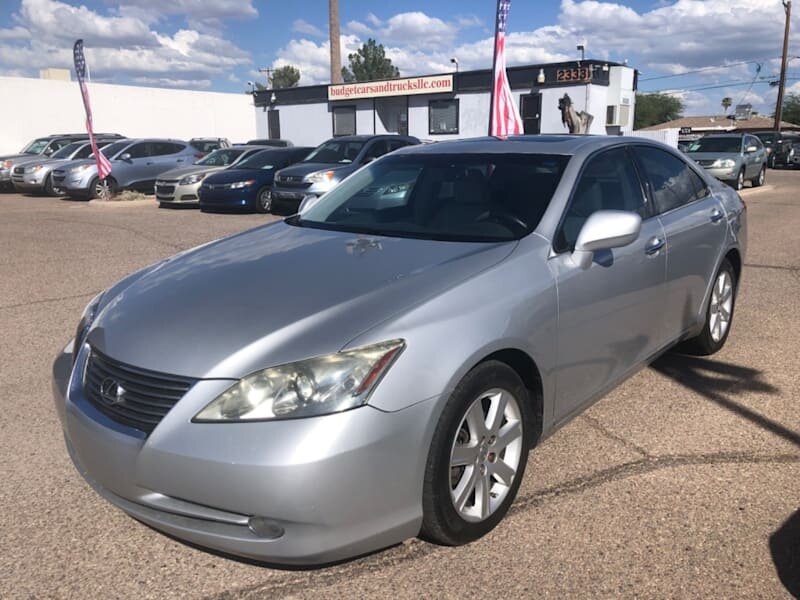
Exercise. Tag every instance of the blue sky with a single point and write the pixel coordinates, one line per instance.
(220, 44)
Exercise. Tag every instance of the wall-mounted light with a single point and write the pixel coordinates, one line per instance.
(540, 76)
(273, 99)
(605, 67)
(455, 62)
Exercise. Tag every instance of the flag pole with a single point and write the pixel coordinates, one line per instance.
(494, 67)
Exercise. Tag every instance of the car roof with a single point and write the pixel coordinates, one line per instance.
(527, 144)
(727, 135)
(365, 138)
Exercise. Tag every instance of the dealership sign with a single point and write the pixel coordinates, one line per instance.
(392, 87)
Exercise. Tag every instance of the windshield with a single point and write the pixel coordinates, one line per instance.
(335, 152)
(221, 158)
(717, 144)
(266, 159)
(36, 146)
(461, 197)
(67, 150)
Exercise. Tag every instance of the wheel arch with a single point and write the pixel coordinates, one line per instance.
(522, 363)
(735, 258)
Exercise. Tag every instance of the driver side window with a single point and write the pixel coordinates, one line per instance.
(608, 182)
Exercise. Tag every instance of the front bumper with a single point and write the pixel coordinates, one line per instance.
(724, 174)
(28, 182)
(5, 175)
(170, 192)
(241, 198)
(288, 202)
(338, 486)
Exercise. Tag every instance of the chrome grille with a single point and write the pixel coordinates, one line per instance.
(705, 163)
(146, 397)
(19, 170)
(165, 189)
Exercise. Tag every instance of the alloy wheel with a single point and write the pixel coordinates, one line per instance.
(740, 180)
(761, 176)
(721, 306)
(265, 199)
(102, 189)
(485, 454)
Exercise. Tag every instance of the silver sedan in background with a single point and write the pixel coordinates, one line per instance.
(180, 186)
(379, 366)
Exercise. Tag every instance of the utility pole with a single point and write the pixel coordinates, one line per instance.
(268, 74)
(334, 34)
(787, 8)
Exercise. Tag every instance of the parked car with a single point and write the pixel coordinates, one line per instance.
(778, 145)
(793, 157)
(207, 145)
(44, 147)
(35, 175)
(180, 186)
(333, 383)
(135, 165)
(248, 185)
(270, 142)
(732, 158)
(327, 165)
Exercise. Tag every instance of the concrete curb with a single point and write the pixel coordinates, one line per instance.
(123, 203)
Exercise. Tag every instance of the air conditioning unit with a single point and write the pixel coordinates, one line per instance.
(618, 114)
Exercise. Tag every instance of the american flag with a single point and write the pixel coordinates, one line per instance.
(103, 164)
(505, 119)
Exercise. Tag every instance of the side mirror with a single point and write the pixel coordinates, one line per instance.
(126, 156)
(603, 230)
(48, 151)
(751, 149)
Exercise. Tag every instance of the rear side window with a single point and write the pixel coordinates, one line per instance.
(140, 150)
(162, 148)
(672, 181)
(608, 182)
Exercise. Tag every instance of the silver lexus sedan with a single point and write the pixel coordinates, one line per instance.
(378, 367)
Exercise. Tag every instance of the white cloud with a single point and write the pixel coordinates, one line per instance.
(15, 33)
(121, 45)
(302, 26)
(173, 83)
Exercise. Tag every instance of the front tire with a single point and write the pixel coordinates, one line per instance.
(719, 314)
(738, 183)
(264, 200)
(759, 180)
(97, 186)
(477, 457)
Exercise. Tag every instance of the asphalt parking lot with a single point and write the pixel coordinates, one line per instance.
(684, 482)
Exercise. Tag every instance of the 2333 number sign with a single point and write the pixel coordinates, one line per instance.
(578, 74)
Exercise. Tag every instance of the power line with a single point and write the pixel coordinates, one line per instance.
(716, 67)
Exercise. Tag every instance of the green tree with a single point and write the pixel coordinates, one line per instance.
(652, 109)
(726, 103)
(369, 63)
(791, 108)
(285, 77)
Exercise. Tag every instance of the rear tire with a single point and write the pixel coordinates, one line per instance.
(477, 457)
(719, 314)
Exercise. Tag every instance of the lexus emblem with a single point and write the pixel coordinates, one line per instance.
(112, 392)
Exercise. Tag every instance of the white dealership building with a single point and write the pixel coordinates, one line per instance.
(452, 105)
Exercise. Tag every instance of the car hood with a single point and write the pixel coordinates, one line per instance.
(185, 171)
(231, 175)
(17, 156)
(302, 169)
(39, 160)
(713, 155)
(273, 295)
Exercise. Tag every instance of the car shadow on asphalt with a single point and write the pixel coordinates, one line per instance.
(716, 381)
(784, 545)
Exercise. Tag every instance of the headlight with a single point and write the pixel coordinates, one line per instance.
(190, 179)
(79, 168)
(723, 163)
(308, 388)
(35, 168)
(320, 176)
(241, 184)
(87, 317)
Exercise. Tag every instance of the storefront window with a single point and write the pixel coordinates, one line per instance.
(443, 116)
(344, 120)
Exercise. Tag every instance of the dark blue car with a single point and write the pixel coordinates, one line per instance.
(249, 185)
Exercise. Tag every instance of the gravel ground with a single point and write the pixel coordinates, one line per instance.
(683, 482)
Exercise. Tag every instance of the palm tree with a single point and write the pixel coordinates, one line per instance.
(726, 103)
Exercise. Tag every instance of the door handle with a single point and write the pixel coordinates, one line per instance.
(716, 215)
(654, 245)
(149, 163)
(180, 160)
